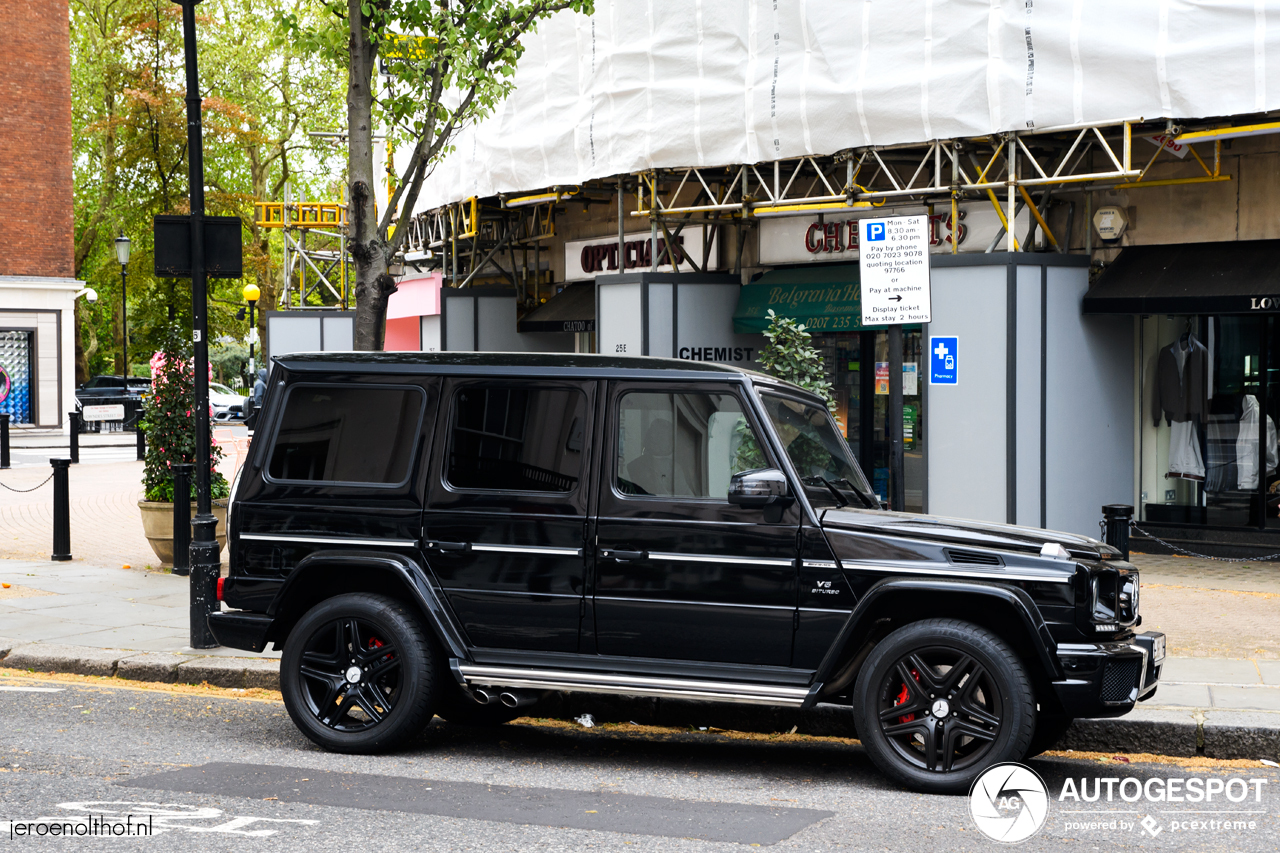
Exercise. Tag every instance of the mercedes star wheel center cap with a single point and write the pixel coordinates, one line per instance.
(353, 675)
(941, 708)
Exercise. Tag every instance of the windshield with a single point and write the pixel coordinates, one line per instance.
(821, 456)
(220, 389)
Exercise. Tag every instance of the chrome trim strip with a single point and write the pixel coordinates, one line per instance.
(700, 558)
(589, 682)
(327, 540)
(528, 549)
(821, 564)
(840, 610)
(693, 603)
(464, 589)
(1142, 678)
(953, 573)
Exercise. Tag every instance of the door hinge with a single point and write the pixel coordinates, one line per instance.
(582, 607)
(795, 619)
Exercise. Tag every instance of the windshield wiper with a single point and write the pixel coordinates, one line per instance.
(841, 500)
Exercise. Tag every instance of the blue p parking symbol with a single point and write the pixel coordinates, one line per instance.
(875, 231)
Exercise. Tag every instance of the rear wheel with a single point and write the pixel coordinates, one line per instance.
(939, 701)
(359, 674)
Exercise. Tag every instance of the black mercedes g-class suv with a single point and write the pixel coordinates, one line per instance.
(458, 533)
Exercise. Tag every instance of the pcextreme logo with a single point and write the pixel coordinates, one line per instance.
(1009, 803)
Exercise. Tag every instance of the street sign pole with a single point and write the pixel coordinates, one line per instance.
(205, 559)
(893, 258)
(893, 423)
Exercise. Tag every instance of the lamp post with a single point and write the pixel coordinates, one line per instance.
(205, 561)
(251, 294)
(122, 255)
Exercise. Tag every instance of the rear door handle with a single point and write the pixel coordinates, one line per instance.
(457, 547)
(623, 556)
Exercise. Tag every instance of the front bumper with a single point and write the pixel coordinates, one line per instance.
(1108, 679)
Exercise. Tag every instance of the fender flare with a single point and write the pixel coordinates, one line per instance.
(864, 616)
(406, 571)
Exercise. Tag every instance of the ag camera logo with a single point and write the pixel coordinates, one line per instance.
(875, 232)
(1009, 803)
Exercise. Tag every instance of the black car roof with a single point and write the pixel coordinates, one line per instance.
(510, 363)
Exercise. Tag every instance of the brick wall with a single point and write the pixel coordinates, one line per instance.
(35, 140)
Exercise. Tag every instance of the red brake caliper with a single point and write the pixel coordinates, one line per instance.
(375, 643)
(903, 696)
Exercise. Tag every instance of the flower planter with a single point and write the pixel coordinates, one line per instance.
(157, 526)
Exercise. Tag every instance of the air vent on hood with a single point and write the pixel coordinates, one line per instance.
(973, 558)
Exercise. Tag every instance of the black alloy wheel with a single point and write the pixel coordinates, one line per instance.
(358, 674)
(939, 701)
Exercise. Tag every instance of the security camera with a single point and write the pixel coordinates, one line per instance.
(91, 295)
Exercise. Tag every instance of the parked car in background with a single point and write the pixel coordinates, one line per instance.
(227, 404)
(128, 393)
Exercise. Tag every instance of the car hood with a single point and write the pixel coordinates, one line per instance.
(963, 531)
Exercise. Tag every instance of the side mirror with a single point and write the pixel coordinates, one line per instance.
(761, 488)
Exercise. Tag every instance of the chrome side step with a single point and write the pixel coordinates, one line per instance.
(633, 685)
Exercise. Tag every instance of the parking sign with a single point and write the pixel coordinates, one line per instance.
(944, 361)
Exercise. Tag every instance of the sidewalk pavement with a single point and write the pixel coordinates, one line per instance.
(74, 617)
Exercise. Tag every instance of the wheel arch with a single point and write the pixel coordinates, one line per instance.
(1008, 612)
(324, 574)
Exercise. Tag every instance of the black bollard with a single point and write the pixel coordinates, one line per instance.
(206, 568)
(73, 420)
(61, 510)
(142, 444)
(4, 441)
(182, 519)
(1117, 518)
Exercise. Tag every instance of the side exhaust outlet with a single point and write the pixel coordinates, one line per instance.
(485, 696)
(517, 700)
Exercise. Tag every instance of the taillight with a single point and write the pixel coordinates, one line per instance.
(221, 581)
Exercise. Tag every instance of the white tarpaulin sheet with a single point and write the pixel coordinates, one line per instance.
(673, 83)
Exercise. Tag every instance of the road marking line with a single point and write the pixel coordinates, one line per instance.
(15, 689)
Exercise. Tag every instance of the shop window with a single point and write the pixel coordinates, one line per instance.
(525, 439)
(1208, 443)
(16, 349)
(683, 445)
(344, 434)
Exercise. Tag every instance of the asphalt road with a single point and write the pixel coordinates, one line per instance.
(214, 773)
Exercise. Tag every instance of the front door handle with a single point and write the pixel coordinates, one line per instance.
(454, 547)
(623, 556)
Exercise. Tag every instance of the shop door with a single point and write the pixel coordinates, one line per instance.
(680, 572)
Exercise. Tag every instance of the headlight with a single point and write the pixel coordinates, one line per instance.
(1114, 598)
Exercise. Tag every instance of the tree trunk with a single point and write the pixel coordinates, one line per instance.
(373, 282)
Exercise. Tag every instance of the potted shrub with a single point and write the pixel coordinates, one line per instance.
(171, 439)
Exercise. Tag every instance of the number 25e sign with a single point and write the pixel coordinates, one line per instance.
(894, 262)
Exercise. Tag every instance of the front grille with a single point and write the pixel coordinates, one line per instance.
(1119, 678)
(973, 558)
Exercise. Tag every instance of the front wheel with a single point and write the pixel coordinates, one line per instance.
(939, 701)
(359, 674)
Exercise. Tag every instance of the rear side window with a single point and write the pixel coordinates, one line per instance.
(347, 434)
(520, 439)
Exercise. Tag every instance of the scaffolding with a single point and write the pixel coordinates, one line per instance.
(1011, 171)
(310, 271)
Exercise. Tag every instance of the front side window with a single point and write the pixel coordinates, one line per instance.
(519, 439)
(683, 445)
(816, 449)
(346, 434)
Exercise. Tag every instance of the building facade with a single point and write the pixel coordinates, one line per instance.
(37, 276)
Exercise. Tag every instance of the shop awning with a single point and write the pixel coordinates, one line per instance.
(825, 298)
(1236, 277)
(571, 310)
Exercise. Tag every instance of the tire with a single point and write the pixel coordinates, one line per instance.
(1049, 730)
(458, 708)
(989, 705)
(384, 646)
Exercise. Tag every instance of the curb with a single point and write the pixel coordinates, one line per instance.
(1210, 732)
(161, 667)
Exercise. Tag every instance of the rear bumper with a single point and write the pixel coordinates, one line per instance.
(239, 629)
(1108, 679)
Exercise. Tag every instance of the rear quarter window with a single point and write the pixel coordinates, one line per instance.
(346, 434)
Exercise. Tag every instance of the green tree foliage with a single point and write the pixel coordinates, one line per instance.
(789, 356)
(448, 64)
(169, 426)
(261, 96)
